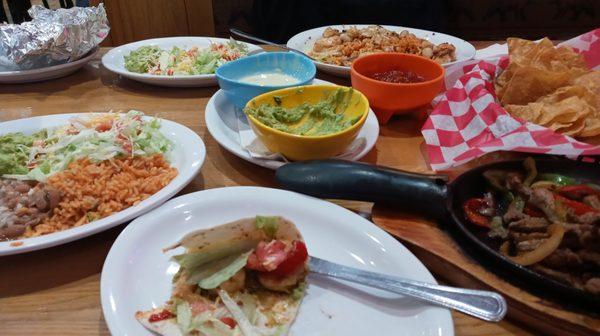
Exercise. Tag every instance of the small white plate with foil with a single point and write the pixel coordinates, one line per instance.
(42, 74)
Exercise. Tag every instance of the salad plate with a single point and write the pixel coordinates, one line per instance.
(186, 155)
(305, 41)
(42, 74)
(225, 123)
(137, 274)
(202, 67)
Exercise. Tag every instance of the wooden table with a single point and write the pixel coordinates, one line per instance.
(56, 291)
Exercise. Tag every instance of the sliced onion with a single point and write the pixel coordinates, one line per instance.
(237, 313)
(545, 249)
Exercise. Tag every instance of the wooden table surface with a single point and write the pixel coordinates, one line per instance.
(56, 291)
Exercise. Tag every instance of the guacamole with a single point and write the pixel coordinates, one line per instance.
(14, 152)
(323, 118)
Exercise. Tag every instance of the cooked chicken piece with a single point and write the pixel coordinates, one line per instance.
(529, 224)
(236, 283)
(444, 53)
(327, 42)
(593, 201)
(559, 276)
(562, 258)
(592, 286)
(329, 32)
(580, 236)
(543, 199)
(514, 182)
(589, 256)
(529, 245)
(522, 237)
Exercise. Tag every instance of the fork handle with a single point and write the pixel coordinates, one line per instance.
(486, 305)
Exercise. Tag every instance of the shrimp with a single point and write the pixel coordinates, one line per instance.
(236, 283)
(327, 42)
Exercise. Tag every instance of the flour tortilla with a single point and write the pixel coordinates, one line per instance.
(223, 240)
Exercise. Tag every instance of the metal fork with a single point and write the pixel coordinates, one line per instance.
(486, 305)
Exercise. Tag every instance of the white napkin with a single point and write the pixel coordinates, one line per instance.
(256, 149)
(492, 51)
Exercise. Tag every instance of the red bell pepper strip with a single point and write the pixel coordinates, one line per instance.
(532, 211)
(577, 207)
(577, 192)
(471, 209)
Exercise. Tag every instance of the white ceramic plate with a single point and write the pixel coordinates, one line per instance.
(222, 123)
(305, 40)
(42, 74)
(114, 60)
(187, 156)
(137, 274)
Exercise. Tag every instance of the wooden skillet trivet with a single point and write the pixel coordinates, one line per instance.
(444, 257)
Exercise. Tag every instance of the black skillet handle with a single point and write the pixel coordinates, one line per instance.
(348, 180)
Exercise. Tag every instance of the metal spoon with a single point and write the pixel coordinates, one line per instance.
(486, 305)
(245, 35)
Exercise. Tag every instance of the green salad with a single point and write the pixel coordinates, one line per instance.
(176, 61)
(97, 138)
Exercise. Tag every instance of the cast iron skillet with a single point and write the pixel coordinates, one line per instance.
(434, 196)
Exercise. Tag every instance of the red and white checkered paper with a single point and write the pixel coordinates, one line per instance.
(468, 121)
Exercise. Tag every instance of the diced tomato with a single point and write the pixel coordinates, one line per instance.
(229, 321)
(577, 192)
(163, 315)
(295, 259)
(267, 256)
(277, 258)
(577, 207)
(105, 126)
(471, 208)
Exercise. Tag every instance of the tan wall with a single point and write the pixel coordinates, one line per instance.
(134, 20)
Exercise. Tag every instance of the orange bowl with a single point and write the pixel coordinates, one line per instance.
(387, 99)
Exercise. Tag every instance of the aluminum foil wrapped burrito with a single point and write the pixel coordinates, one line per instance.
(52, 37)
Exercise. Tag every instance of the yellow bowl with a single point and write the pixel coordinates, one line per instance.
(303, 147)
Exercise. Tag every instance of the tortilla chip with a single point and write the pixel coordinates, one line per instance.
(530, 112)
(570, 129)
(592, 127)
(536, 69)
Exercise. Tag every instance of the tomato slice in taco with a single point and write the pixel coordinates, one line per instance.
(242, 278)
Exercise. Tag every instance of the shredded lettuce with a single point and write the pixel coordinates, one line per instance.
(61, 147)
(177, 61)
(192, 260)
(184, 317)
(214, 274)
(249, 306)
(268, 224)
(238, 315)
(216, 328)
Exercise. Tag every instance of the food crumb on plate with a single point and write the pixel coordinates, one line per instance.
(329, 316)
(16, 244)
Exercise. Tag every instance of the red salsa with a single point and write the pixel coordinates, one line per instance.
(398, 76)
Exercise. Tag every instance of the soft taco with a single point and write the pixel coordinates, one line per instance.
(242, 278)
